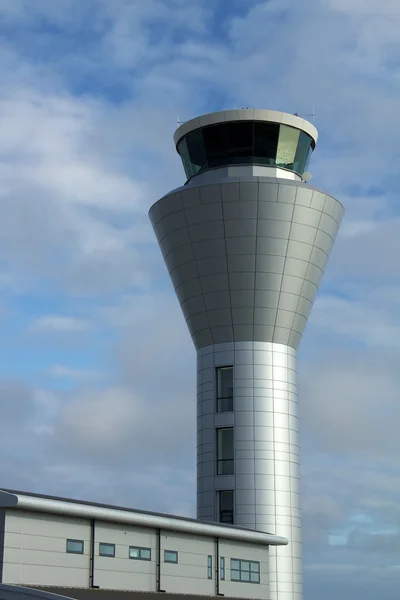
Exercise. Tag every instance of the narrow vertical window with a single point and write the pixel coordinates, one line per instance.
(225, 502)
(222, 568)
(209, 566)
(224, 389)
(225, 454)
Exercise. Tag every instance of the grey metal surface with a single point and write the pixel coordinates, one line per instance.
(246, 257)
(247, 114)
(114, 514)
(266, 476)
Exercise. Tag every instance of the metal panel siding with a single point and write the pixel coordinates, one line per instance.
(242, 589)
(34, 549)
(35, 555)
(266, 479)
(121, 572)
(269, 235)
(189, 575)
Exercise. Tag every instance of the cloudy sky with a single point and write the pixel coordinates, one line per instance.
(96, 362)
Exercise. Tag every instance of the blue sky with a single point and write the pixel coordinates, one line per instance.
(95, 359)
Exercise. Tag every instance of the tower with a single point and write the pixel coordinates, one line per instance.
(246, 241)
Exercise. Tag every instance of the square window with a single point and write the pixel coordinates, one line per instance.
(107, 550)
(75, 546)
(255, 577)
(235, 575)
(145, 553)
(170, 556)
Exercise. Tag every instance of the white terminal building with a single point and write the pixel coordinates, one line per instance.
(245, 241)
(82, 550)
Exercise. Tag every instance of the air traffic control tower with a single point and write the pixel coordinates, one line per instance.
(246, 241)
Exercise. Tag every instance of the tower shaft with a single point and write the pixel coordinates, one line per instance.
(265, 458)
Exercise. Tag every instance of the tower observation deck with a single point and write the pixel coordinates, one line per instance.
(246, 241)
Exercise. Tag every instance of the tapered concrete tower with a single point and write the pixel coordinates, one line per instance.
(246, 241)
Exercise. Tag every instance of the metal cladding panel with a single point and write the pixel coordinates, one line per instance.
(266, 471)
(246, 257)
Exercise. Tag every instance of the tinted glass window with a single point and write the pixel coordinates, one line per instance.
(224, 389)
(287, 146)
(196, 150)
(303, 153)
(245, 570)
(225, 451)
(184, 154)
(265, 143)
(209, 567)
(240, 140)
(216, 145)
(107, 549)
(138, 553)
(226, 507)
(75, 546)
(222, 568)
(170, 556)
(245, 142)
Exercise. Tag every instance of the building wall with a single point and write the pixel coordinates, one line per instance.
(234, 588)
(190, 574)
(35, 554)
(34, 549)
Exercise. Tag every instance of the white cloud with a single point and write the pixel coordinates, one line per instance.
(63, 371)
(358, 319)
(58, 324)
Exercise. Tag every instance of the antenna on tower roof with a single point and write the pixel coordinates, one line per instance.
(178, 121)
(308, 115)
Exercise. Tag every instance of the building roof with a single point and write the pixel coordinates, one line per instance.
(118, 514)
(246, 114)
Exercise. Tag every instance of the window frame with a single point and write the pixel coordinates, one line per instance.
(172, 562)
(225, 461)
(140, 557)
(232, 492)
(222, 568)
(209, 566)
(82, 542)
(240, 570)
(241, 142)
(106, 555)
(220, 399)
